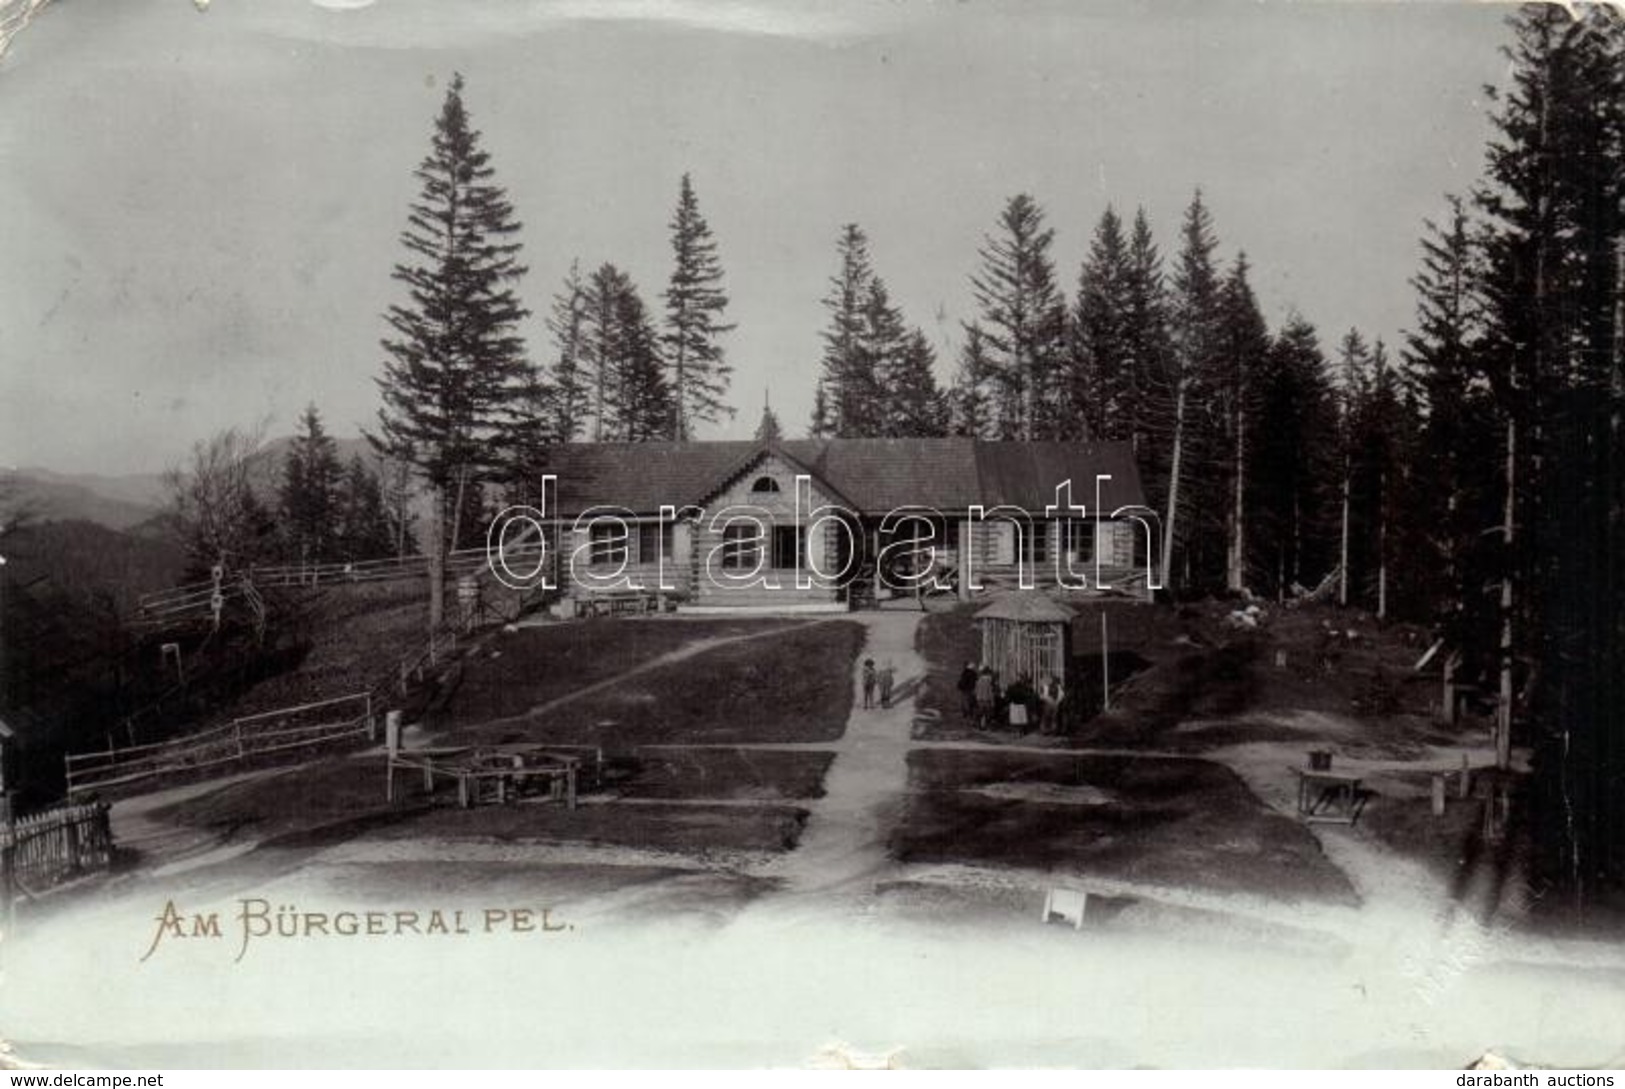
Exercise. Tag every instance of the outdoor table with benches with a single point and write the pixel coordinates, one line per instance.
(501, 773)
(1328, 796)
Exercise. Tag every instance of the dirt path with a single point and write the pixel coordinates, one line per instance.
(843, 847)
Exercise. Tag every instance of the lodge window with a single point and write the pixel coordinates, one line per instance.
(765, 484)
(608, 543)
(654, 541)
(741, 546)
(1035, 541)
(787, 547)
(1080, 539)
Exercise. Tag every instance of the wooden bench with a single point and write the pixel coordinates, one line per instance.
(617, 603)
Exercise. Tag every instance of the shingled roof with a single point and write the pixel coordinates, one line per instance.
(872, 475)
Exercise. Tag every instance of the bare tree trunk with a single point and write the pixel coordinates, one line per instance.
(1173, 487)
(1503, 711)
(1237, 575)
(437, 558)
(1382, 547)
(457, 512)
(1343, 555)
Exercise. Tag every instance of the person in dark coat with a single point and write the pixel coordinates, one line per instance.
(987, 691)
(868, 683)
(967, 692)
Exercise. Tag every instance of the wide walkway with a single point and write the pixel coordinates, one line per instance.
(843, 847)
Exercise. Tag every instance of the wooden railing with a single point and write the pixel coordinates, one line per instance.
(54, 846)
(345, 718)
(196, 597)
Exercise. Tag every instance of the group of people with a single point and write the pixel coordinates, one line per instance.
(884, 678)
(982, 700)
(985, 703)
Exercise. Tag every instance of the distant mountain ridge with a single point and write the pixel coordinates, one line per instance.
(127, 500)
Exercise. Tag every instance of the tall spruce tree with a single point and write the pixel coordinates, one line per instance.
(1292, 528)
(570, 405)
(971, 398)
(1194, 324)
(916, 405)
(697, 366)
(362, 522)
(1149, 359)
(1023, 321)
(456, 370)
(848, 379)
(1458, 437)
(310, 492)
(1243, 343)
(1553, 200)
(1101, 383)
(630, 398)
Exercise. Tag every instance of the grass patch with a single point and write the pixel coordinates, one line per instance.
(794, 684)
(350, 634)
(734, 774)
(1166, 821)
(330, 802)
(678, 828)
(517, 671)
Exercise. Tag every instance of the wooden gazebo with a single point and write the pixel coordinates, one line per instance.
(1026, 634)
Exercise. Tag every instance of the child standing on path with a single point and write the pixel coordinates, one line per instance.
(868, 683)
(888, 677)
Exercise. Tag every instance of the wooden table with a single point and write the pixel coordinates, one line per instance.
(1332, 797)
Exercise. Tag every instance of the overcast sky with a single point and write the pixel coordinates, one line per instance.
(202, 207)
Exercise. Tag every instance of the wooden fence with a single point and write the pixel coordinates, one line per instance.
(345, 718)
(52, 847)
(195, 598)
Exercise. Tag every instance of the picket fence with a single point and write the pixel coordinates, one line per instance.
(53, 847)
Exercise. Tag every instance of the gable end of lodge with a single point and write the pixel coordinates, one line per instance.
(816, 524)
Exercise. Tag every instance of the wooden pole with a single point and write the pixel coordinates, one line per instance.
(1105, 667)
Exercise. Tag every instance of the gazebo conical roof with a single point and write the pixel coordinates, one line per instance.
(1033, 606)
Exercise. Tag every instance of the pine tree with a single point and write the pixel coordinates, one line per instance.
(456, 368)
(648, 404)
(363, 524)
(1102, 385)
(1295, 456)
(630, 398)
(571, 396)
(699, 372)
(822, 425)
(309, 495)
(918, 408)
(1354, 365)
(848, 380)
(1243, 343)
(1148, 365)
(1023, 320)
(881, 344)
(768, 429)
(1553, 201)
(1457, 426)
(1194, 323)
(971, 398)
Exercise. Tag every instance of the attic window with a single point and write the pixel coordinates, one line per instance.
(765, 484)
